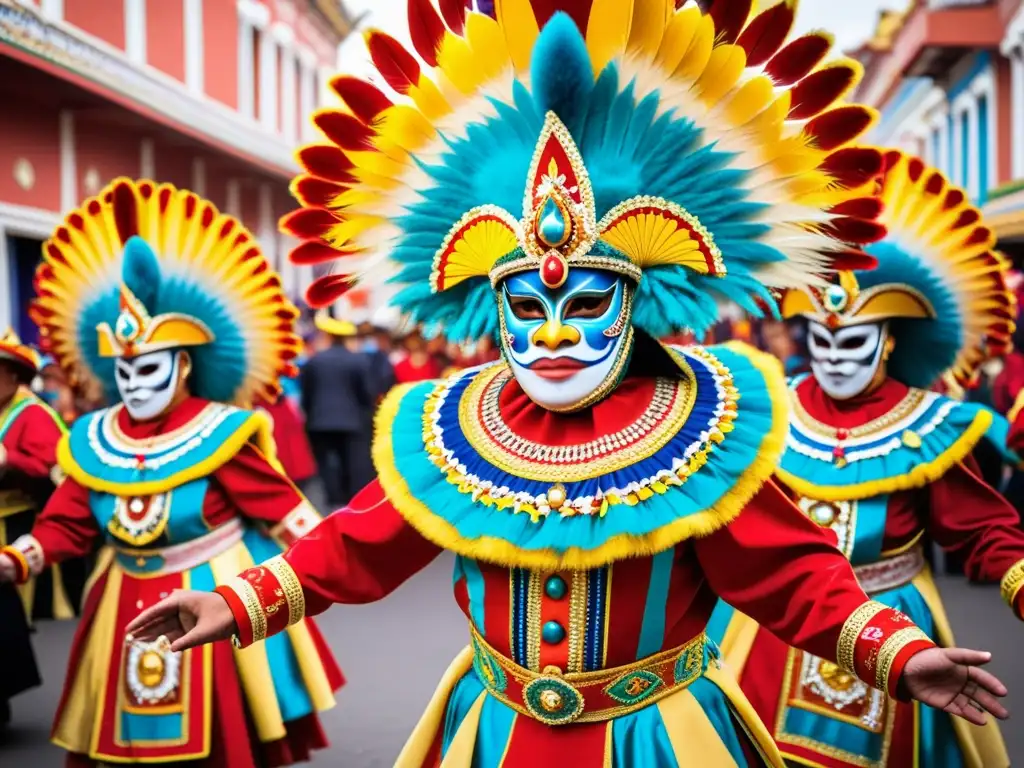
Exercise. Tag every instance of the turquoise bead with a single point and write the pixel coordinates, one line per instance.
(552, 228)
(553, 633)
(555, 588)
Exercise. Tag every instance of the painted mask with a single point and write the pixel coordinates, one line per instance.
(845, 360)
(147, 383)
(567, 346)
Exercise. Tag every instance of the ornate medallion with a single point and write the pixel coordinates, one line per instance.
(552, 700)
(152, 672)
(838, 516)
(140, 520)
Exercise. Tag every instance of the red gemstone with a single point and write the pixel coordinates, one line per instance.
(842, 434)
(838, 451)
(140, 458)
(553, 270)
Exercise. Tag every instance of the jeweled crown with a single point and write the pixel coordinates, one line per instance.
(559, 228)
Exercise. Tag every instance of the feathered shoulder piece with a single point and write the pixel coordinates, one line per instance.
(702, 155)
(938, 280)
(143, 267)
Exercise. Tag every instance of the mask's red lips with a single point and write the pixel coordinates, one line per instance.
(558, 368)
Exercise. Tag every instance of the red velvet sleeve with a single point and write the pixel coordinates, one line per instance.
(64, 529)
(31, 443)
(970, 518)
(781, 569)
(262, 492)
(359, 554)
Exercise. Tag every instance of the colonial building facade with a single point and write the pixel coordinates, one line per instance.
(212, 95)
(948, 79)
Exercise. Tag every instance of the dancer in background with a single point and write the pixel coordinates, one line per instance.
(588, 193)
(885, 465)
(29, 433)
(171, 305)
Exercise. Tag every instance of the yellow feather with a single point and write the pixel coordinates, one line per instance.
(455, 59)
(750, 100)
(490, 51)
(344, 231)
(403, 126)
(428, 98)
(608, 30)
(355, 197)
(376, 162)
(724, 68)
(521, 31)
(650, 19)
(678, 35)
(699, 50)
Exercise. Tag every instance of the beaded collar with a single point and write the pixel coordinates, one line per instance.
(911, 445)
(454, 465)
(99, 455)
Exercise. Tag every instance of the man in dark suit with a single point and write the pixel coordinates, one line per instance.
(338, 397)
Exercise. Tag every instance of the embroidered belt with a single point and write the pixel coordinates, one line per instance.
(892, 572)
(181, 557)
(554, 698)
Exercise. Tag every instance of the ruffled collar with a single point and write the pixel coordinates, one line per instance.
(479, 469)
(895, 439)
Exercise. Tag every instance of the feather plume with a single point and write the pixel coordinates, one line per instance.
(396, 65)
(314, 252)
(819, 90)
(831, 130)
(729, 17)
(454, 14)
(853, 167)
(308, 223)
(766, 32)
(425, 29)
(345, 130)
(315, 193)
(326, 290)
(363, 99)
(798, 58)
(327, 162)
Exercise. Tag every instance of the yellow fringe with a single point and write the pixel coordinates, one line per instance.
(918, 477)
(501, 552)
(257, 427)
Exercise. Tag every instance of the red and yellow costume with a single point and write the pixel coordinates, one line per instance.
(887, 471)
(29, 432)
(182, 500)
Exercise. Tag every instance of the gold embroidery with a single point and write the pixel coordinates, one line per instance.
(851, 630)
(890, 649)
(1012, 583)
(897, 413)
(488, 434)
(257, 619)
(292, 587)
(577, 619)
(534, 596)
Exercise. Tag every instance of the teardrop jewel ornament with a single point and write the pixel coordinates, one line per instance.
(554, 227)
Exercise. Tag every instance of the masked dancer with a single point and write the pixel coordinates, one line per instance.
(578, 184)
(172, 306)
(886, 465)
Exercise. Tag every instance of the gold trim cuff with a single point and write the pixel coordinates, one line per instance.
(1011, 585)
(851, 630)
(291, 586)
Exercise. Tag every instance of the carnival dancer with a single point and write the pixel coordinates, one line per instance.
(29, 432)
(174, 308)
(886, 465)
(578, 197)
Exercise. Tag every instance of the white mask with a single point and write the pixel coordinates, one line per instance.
(845, 361)
(147, 383)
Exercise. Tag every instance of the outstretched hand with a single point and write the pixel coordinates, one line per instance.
(186, 619)
(951, 679)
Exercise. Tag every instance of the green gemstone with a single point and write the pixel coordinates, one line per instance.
(553, 633)
(552, 227)
(555, 588)
(634, 687)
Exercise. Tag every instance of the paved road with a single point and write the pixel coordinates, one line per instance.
(394, 652)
